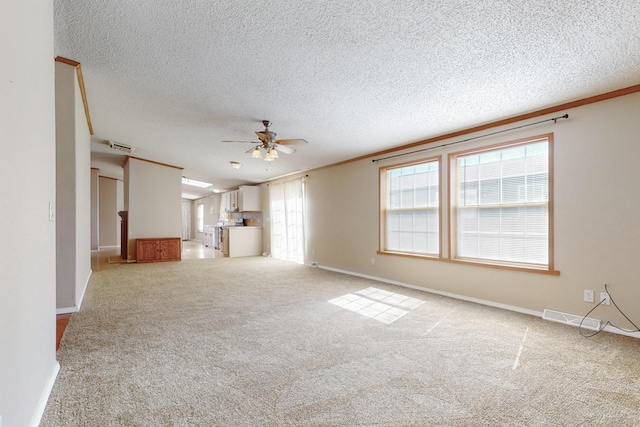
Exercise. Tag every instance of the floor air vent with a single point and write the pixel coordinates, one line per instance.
(571, 319)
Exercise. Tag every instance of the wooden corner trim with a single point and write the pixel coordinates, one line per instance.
(83, 92)
(67, 61)
(126, 160)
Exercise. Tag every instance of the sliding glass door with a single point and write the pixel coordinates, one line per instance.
(286, 204)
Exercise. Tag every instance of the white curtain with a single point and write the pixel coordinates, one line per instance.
(186, 220)
(286, 204)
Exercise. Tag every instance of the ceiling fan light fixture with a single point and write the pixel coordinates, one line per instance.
(269, 157)
(274, 153)
(256, 153)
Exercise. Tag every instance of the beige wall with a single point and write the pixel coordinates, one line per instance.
(211, 213)
(95, 208)
(597, 237)
(27, 255)
(73, 196)
(153, 197)
(110, 193)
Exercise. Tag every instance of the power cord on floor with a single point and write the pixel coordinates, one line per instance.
(608, 322)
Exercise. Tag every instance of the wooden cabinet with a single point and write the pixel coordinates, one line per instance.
(158, 249)
(250, 198)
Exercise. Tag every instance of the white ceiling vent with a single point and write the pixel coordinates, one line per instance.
(121, 147)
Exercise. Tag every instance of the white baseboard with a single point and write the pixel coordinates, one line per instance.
(613, 330)
(44, 397)
(76, 308)
(607, 328)
(84, 289)
(437, 292)
(107, 247)
(66, 310)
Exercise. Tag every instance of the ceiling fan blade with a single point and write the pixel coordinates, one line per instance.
(250, 142)
(264, 137)
(284, 149)
(291, 141)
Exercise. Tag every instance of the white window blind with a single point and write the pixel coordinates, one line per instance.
(412, 214)
(502, 204)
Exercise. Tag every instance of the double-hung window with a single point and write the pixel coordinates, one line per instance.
(501, 204)
(410, 208)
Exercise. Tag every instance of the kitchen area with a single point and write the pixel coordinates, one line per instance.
(232, 222)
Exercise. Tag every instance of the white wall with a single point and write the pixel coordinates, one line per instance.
(73, 197)
(153, 197)
(27, 255)
(597, 237)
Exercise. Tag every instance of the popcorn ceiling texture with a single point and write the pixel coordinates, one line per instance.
(176, 77)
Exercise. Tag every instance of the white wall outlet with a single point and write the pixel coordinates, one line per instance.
(604, 298)
(588, 295)
(373, 261)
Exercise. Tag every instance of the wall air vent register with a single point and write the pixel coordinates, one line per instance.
(121, 147)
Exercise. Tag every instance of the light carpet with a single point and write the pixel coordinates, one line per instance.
(263, 342)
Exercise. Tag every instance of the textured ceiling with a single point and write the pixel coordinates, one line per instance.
(176, 77)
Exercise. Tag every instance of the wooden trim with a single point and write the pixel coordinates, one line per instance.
(567, 105)
(521, 117)
(551, 264)
(382, 196)
(453, 196)
(452, 211)
(473, 263)
(83, 92)
(109, 177)
(67, 61)
(149, 161)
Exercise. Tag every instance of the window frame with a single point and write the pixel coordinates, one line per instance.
(452, 208)
(383, 196)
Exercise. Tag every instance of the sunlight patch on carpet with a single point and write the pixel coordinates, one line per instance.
(383, 306)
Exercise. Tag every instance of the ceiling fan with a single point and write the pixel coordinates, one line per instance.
(270, 145)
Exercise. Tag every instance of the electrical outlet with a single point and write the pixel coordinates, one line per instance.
(373, 261)
(604, 298)
(588, 295)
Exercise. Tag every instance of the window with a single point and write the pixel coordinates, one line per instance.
(501, 199)
(200, 217)
(410, 208)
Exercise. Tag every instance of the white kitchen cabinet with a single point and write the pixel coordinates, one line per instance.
(250, 198)
(229, 202)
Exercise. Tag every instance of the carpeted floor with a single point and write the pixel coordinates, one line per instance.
(262, 342)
